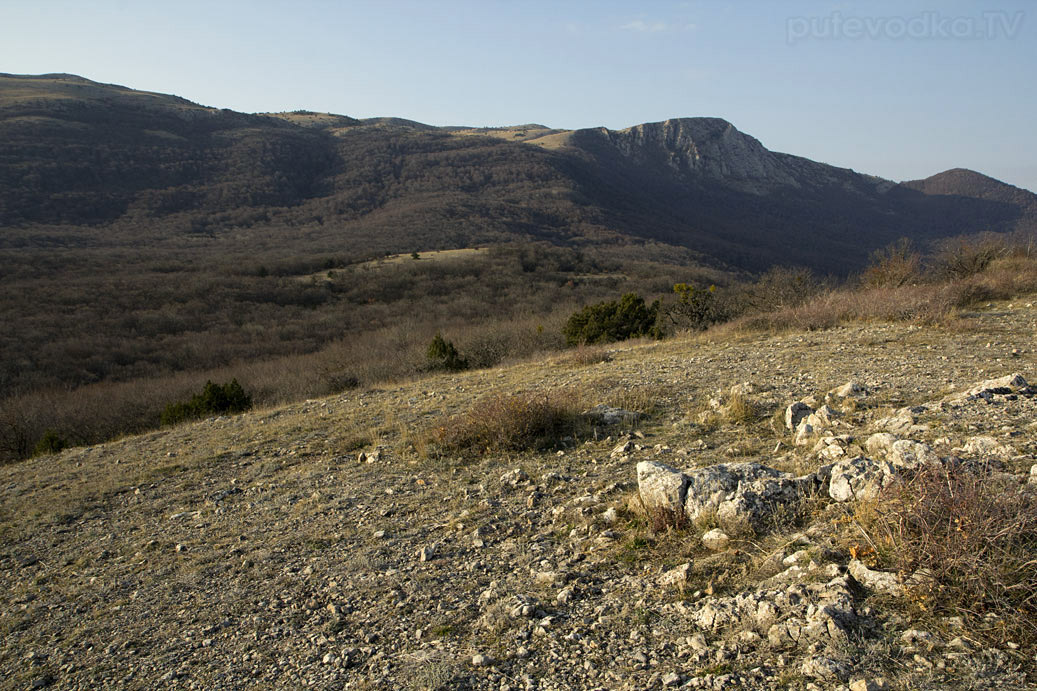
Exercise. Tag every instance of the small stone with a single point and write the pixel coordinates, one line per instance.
(565, 596)
(716, 540)
(877, 684)
(514, 477)
(480, 660)
(671, 679)
(427, 553)
(610, 515)
(879, 581)
(676, 578)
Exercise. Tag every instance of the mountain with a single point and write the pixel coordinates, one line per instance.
(75, 153)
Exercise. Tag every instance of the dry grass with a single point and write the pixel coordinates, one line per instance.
(930, 303)
(518, 422)
(585, 355)
(974, 536)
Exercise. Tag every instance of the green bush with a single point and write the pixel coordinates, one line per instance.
(696, 308)
(442, 355)
(49, 443)
(215, 399)
(629, 317)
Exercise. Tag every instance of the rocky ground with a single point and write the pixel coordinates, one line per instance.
(318, 545)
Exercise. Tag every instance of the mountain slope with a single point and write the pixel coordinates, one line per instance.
(74, 152)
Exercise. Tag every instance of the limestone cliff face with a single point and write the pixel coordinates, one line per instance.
(715, 149)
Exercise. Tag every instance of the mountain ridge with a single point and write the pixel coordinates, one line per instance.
(78, 153)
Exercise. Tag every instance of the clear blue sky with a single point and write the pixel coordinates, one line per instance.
(899, 89)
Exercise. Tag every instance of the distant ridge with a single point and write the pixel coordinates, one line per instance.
(76, 152)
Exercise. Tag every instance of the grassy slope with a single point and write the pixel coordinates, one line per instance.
(137, 542)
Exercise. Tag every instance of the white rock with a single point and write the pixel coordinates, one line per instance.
(804, 433)
(879, 581)
(661, 486)
(911, 454)
(859, 478)
(879, 444)
(850, 389)
(716, 540)
(675, 578)
(795, 413)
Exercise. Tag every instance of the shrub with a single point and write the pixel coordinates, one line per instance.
(964, 257)
(49, 443)
(517, 422)
(974, 536)
(696, 308)
(215, 399)
(779, 287)
(442, 355)
(613, 320)
(893, 266)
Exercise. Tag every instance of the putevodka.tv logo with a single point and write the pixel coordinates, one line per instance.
(931, 26)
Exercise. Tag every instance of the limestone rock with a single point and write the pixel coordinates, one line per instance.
(905, 453)
(716, 540)
(661, 486)
(859, 478)
(607, 415)
(709, 487)
(879, 581)
(795, 413)
(880, 443)
(850, 389)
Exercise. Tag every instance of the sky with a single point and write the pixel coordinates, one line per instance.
(900, 89)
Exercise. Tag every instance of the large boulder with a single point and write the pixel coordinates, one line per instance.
(710, 487)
